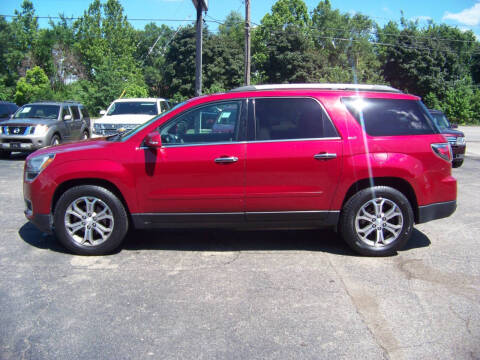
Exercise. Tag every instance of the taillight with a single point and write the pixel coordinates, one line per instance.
(443, 150)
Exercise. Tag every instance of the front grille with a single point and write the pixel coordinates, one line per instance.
(451, 139)
(15, 130)
(112, 129)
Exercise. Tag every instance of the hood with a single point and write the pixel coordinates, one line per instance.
(452, 132)
(27, 122)
(91, 146)
(124, 119)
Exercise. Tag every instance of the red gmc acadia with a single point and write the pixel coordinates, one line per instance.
(367, 160)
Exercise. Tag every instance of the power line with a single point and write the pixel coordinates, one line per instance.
(128, 19)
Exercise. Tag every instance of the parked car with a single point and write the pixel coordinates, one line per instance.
(456, 138)
(7, 109)
(364, 159)
(40, 124)
(127, 114)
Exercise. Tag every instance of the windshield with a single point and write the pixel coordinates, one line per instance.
(133, 107)
(128, 134)
(441, 121)
(38, 111)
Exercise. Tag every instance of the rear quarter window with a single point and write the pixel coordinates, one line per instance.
(390, 117)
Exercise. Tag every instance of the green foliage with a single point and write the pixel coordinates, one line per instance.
(133, 90)
(34, 86)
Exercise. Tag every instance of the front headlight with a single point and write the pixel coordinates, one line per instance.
(36, 165)
(41, 130)
(461, 140)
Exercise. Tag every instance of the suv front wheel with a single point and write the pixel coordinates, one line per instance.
(90, 220)
(377, 221)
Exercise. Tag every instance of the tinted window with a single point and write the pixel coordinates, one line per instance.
(65, 112)
(388, 117)
(76, 114)
(207, 124)
(295, 118)
(84, 112)
(4, 110)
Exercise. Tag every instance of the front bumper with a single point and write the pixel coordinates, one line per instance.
(22, 142)
(436, 211)
(43, 222)
(458, 151)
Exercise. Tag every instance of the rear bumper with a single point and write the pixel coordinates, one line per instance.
(436, 211)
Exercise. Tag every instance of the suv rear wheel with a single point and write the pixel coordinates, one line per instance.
(377, 221)
(90, 220)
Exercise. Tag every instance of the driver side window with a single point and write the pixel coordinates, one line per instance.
(214, 123)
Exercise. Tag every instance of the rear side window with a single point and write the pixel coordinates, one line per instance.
(76, 114)
(84, 112)
(291, 118)
(390, 117)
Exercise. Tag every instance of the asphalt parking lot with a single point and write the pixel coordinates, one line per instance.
(242, 295)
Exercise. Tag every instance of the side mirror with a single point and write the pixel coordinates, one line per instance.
(454, 126)
(103, 112)
(67, 117)
(153, 140)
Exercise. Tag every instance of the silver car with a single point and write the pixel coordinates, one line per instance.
(40, 124)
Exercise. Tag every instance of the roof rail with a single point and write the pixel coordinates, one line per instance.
(55, 101)
(324, 86)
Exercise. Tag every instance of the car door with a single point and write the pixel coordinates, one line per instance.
(198, 171)
(76, 123)
(293, 158)
(66, 124)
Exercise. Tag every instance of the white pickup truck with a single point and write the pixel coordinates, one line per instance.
(126, 114)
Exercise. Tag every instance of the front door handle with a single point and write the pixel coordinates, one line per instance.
(226, 159)
(324, 156)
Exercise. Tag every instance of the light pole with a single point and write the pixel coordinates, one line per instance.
(200, 5)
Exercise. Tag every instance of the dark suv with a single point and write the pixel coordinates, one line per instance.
(40, 124)
(366, 160)
(456, 138)
(7, 109)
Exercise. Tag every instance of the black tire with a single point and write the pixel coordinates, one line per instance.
(101, 199)
(4, 154)
(55, 140)
(362, 240)
(457, 163)
(85, 135)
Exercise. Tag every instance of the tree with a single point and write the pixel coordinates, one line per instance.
(106, 42)
(284, 13)
(423, 61)
(344, 41)
(290, 58)
(34, 86)
(152, 44)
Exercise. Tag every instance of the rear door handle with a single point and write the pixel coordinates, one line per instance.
(226, 159)
(324, 156)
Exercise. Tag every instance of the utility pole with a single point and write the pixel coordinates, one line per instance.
(200, 5)
(247, 42)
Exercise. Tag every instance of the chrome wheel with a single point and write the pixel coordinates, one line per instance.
(379, 222)
(85, 135)
(89, 221)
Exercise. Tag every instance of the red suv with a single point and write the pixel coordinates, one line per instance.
(364, 159)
